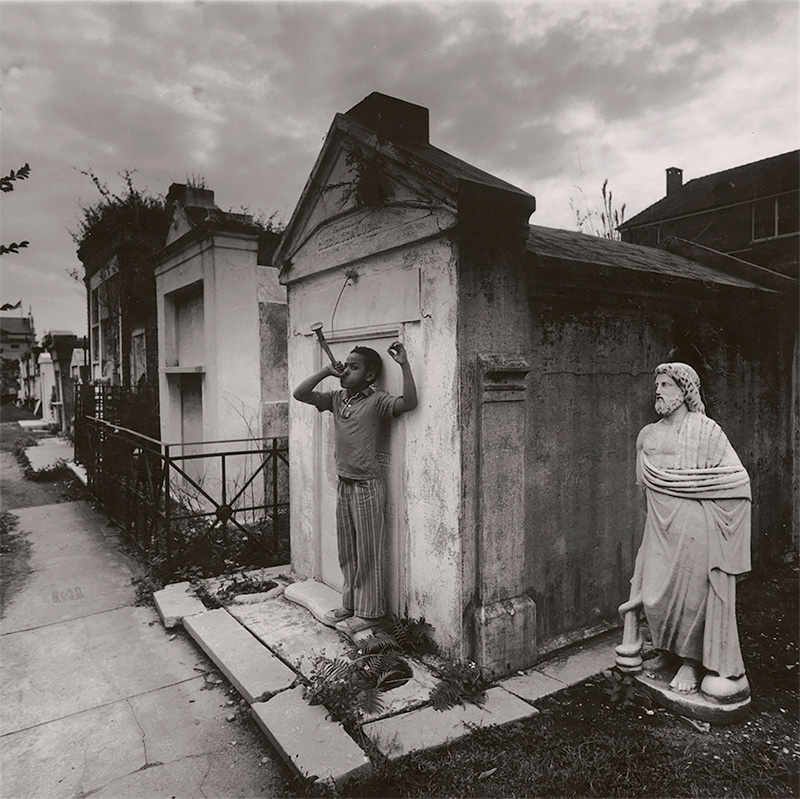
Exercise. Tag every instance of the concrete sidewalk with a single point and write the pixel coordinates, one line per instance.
(96, 698)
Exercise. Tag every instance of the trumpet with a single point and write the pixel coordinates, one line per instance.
(317, 328)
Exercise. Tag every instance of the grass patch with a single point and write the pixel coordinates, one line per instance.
(14, 556)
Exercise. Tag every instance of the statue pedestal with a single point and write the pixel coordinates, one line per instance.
(697, 705)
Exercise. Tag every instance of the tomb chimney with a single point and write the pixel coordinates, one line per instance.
(187, 196)
(392, 119)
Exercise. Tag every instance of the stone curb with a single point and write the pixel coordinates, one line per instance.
(79, 471)
(427, 728)
(176, 601)
(312, 744)
(240, 656)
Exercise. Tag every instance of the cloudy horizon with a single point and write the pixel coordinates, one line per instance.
(552, 97)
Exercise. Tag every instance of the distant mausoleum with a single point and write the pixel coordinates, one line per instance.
(221, 324)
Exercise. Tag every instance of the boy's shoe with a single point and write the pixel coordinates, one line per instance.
(337, 614)
(357, 624)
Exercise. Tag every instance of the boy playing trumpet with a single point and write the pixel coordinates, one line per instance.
(359, 411)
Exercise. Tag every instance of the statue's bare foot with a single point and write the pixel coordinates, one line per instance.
(687, 680)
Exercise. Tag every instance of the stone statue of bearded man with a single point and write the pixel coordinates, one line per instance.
(696, 541)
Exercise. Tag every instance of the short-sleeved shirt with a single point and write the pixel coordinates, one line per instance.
(357, 422)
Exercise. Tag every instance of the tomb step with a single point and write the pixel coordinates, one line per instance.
(239, 655)
(315, 597)
(175, 601)
(312, 744)
(398, 736)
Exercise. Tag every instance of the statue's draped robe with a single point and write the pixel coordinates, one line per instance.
(696, 540)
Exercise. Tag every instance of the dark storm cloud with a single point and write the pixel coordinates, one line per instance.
(243, 93)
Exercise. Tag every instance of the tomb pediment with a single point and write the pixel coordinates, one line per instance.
(378, 183)
(360, 199)
(179, 225)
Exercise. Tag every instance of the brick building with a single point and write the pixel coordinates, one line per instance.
(751, 212)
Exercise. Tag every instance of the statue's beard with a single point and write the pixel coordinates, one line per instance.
(664, 407)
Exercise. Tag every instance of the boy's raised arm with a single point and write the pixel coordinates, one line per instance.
(409, 399)
(305, 390)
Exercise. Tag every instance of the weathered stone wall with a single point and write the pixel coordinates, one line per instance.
(591, 349)
(748, 342)
(272, 321)
(407, 292)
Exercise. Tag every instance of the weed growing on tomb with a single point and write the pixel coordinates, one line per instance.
(459, 682)
(241, 583)
(369, 187)
(352, 687)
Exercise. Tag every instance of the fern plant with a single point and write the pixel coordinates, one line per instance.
(346, 688)
(459, 682)
(351, 687)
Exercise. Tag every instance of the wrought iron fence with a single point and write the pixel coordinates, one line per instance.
(206, 504)
(131, 408)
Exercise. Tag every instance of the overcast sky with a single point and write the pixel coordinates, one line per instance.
(553, 97)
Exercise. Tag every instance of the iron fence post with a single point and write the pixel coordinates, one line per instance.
(224, 502)
(274, 457)
(167, 511)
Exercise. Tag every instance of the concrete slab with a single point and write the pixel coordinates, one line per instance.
(175, 601)
(427, 728)
(532, 686)
(74, 573)
(244, 660)
(315, 597)
(33, 424)
(260, 596)
(46, 456)
(192, 707)
(584, 661)
(72, 756)
(51, 441)
(232, 774)
(290, 631)
(108, 529)
(61, 669)
(312, 744)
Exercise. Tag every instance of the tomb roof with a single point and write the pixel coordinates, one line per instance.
(566, 245)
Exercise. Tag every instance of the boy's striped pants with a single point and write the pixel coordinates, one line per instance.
(360, 534)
